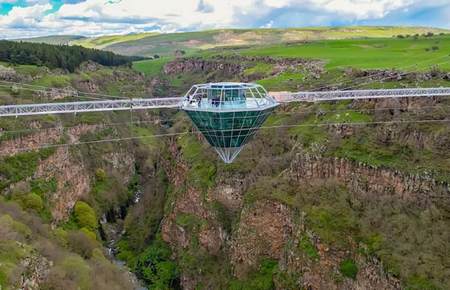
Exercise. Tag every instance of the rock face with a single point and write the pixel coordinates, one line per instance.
(367, 180)
(396, 75)
(43, 137)
(263, 231)
(233, 67)
(268, 228)
(72, 181)
(36, 270)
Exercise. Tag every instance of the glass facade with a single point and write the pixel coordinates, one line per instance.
(228, 114)
(229, 129)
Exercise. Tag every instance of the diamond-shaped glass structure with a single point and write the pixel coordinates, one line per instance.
(228, 114)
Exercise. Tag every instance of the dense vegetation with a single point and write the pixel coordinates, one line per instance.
(57, 56)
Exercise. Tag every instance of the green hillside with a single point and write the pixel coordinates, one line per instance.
(107, 40)
(421, 53)
(166, 44)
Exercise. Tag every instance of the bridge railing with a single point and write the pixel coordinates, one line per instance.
(89, 106)
(286, 97)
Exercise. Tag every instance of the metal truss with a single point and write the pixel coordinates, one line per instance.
(156, 103)
(286, 97)
(89, 106)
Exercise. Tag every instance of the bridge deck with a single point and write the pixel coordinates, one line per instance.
(156, 103)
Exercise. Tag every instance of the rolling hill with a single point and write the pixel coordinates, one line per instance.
(53, 39)
(149, 44)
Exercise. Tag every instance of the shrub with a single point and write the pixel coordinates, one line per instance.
(262, 280)
(85, 215)
(20, 166)
(308, 248)
(419, 283)
(33, 201)
(81, 243)
(61, 236)
(100, 174)
(349, 268)
(155, 267)
(72, 273)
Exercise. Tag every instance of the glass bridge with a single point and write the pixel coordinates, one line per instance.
(228, 114)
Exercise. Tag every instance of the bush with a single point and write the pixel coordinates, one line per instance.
(33, 201)
(81, 243)
(85, 216)
(72, 273)
(349, 268)
(155, 267)
(20, 166)
(262, 280)
(308, 248)
(419, 283)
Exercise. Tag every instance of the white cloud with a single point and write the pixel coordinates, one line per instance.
(96, 17)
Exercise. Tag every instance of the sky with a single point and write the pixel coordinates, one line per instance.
(30, 18)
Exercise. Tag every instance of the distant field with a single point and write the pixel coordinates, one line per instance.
(149, 44)
(152, 66)
(405, 54)
(105, 41)
(167, 44)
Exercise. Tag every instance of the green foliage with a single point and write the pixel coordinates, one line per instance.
(260, 280)
(308, 248)
(33, 201)
(420, 283)
(11, 253)
(155, 267)
(20, 166)
(348, 268)
(8, 223)
(332, 224)
(57, 56)
(61, 236)
(365, 53)
(374, 243)
(152, 67)
(82, 242)
(189, 221)
(261, 69)
(42, 186)
(203, 170)
(75, 269)
(85, 216)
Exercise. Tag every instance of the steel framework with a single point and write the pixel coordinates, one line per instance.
(286, 97)
(89, 106)
(155, 103)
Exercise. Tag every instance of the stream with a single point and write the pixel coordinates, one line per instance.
(112, 231)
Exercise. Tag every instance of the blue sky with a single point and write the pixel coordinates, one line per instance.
(26, 18)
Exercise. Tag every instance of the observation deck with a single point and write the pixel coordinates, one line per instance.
(228, 114)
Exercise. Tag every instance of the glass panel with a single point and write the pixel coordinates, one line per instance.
(228, 129)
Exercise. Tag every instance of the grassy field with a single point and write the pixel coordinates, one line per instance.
(149, 44)
(406, 54)
(167, 44)
(104, 41)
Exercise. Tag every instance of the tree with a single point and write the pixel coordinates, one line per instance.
(85, 216)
